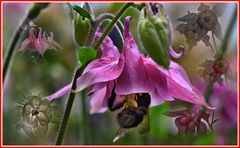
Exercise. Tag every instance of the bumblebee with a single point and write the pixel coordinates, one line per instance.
(133, 113)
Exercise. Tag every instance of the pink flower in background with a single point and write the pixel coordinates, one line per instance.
(224, 98)
(213, 70)
(38, 41)
(190, 120)
(131, 73)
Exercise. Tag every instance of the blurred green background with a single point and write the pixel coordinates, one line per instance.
(33, 74)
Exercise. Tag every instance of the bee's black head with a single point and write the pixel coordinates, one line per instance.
(144, 100)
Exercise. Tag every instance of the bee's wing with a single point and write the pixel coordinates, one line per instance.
(120, 133)
(144, 126)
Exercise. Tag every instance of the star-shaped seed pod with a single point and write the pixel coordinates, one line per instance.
(34, 116)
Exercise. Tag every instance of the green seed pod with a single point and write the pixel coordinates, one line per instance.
(81, 26)
(155, 35)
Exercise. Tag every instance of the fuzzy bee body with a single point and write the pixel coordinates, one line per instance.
(133, 114)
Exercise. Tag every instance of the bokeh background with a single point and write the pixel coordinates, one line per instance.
(33, 74)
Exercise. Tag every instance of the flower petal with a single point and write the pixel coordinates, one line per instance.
(180, 87)
(203, 7)
(159, 80)
(97, 100)
(219, 9)
(107, 47)
(100, 70)
(26, 44)
(59, 93)
(134, 77)
(218, 31)
(189, 18)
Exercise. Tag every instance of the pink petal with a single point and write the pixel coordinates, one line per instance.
(100, 70)
(177, 55)
(107, 47)
(97, 87)
(97, 101)
(180, 87)
(26, 44)
(59, 93)
(134, 78)
(40, 44)
(129, 42)
(159, 80)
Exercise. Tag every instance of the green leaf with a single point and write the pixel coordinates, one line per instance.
(86, 55)
(84, 13)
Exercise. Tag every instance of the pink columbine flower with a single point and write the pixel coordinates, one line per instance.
(131, 73)
(190, 120)
(39, 41)
(213, 70)
(224, 98)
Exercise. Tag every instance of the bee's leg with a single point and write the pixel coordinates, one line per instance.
(110, 104)
(111, 101)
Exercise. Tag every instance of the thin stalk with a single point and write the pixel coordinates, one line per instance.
(33, 12)
(89, 8)
(223, 50)
(10, 52)
(85, 121)
(214, 42)
(68, 109)
(229, 31)
(110, 26)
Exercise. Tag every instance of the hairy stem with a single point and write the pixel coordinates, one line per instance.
(86, 129)
(68, 109)
(33, 12)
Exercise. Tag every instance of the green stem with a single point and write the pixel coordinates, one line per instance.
(85, 120)
(229, 31)
(110, 26)
(208, 91)
(10, 52)
(223, 50)
(68, 109)
(33, 12)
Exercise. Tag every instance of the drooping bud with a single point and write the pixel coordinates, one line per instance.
(155, 34)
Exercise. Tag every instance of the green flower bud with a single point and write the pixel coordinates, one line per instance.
(155, 35)
(81, 26)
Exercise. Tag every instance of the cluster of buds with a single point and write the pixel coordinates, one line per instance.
(191, 120)
(213, 70)
(39, 41)
(34, 116)
(197, 25)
